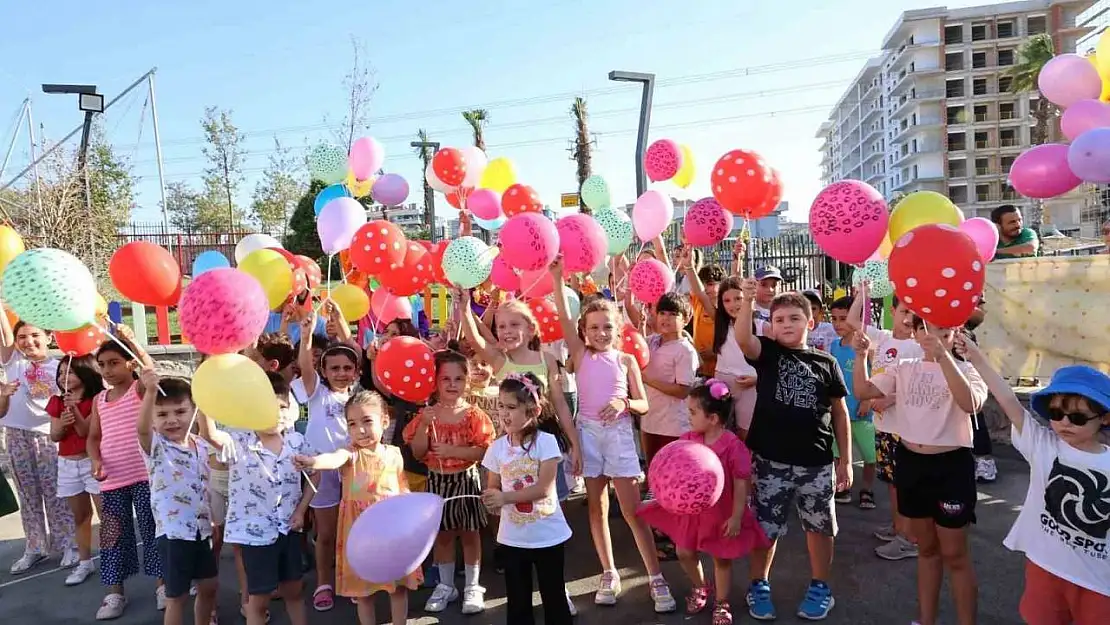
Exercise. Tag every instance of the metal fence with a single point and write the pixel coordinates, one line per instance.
(183, 244)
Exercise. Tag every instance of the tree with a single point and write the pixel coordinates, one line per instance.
(477, 118)
(1033, 55)
(276, 195)
(182, 206)
(582, 146)
(302, 238)
(361, 84)
(224, 173)
(424, 152)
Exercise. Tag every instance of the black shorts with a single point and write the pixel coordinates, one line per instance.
(936, 486)
(268, 566)
(184, 561)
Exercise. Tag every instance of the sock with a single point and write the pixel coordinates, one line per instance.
(446, 573)
(471, 571)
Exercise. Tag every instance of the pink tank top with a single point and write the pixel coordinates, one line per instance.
(119, 441)
(601, 379)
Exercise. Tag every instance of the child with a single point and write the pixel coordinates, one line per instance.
(69, 427)
(706, 282)
(401, 412)
(370, 471)
(178, 467)
(118, 463)
(1067, 579)
(669, 376)
(609, 390)
(859, 412)
(266, 508)
(275, 352)
(823, 333)
(729, 529)
(936, 468)
(533, 532)
(769, 279)
(451, 437)
(799, 416)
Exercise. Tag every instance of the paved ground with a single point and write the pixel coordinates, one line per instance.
(868, 591)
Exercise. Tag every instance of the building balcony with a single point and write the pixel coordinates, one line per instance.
(918, 98)
(909, 77)
(910, 155)
(870, 113)
(875, 178)
(872, 155)
(919, 180)
(911, 129)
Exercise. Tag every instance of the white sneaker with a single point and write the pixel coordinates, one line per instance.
(160, 598)
(473, 599)
(111, 608)
(570, 603)
(84, 569)
(70, 559)
(24, 563)
(986, 471)
(441, 596)
(661, 595)
(897, 549)
(609, 590)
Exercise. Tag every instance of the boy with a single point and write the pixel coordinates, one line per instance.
(769, 278)
(275, 353)
(799, 415)
(178, 466)
(669, 376)
(823, 333)
(703, 323)
(863, 429)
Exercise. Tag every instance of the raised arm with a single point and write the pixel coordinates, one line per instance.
(149, 379)
(7, 338)
(570, 326)
(855, 311)
(748, 342)
(862, 387)
(489, 352)
(696, 287)
(309, 376)
(958, 384)
(996, 384)
(127, 337)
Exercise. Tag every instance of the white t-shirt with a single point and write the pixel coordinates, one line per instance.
(886, 351)
(37, 383)
(327, 425)
(559, 350)
(532, 524)
(731, 360)
(1064, 526)
(288, 416)
(822, 336)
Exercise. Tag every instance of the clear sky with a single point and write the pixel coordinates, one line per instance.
(730, 74)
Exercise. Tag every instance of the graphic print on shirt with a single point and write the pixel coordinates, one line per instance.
(519, 472)
(1077, 509)
(796, 385)
(926, 390)
(38, 381)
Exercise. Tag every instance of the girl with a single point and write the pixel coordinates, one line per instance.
(401, 412)
(451, 437)
(369, 471)
(118, 463)
(69, 427)
(726, 531)
(522, 469)
(609, 389)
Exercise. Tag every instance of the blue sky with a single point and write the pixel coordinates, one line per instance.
(731, 74)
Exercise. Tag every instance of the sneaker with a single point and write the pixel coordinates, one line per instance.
(759, 601)
(84, 569)
(986, 471)
(442, 596)
(570, 602)
(111, 607)
(474, 599)
(610, 588)
(897, 549)
(844, 496)
(818, 602)
(70, 559)
(193, 590)
(722, 613)
(661, 595)
(160, 598)
(886, 533)
(866, 500)
(26, 562)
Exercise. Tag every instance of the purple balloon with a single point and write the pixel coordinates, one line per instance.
(1042, 172)
(1069, 78)
(1084, 115)
(1089, 155)
(390, 190)
(391, 538)
(338, 222)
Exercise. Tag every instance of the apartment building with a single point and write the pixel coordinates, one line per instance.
(1096, 19)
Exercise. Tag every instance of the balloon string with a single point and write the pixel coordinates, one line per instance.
(262, 465)
(749, 258)
(129, 353)
(330, 258)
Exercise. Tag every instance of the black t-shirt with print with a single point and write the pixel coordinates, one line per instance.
(795, 389)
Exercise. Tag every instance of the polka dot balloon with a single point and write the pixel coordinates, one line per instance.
(449, 165)
(595, 192)
(634, 344)
(686, 477)
(520, 198)
(662, 160)
(404, 365)
(378, 247)
(328, 163)
(875, 273)
(50, 289)
(650, 279)
(942, 288)
(740, 181)
(618, 229)
(547, 318)
(706, 223)
(467, 262)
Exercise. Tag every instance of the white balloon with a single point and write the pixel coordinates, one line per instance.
(476, 163)
(251, 243)
(435, 183)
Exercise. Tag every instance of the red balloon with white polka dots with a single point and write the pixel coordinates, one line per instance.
(406, 368)
(634, 344)
(449, 165)
(741, 182)
(548, 319)
(938, 272)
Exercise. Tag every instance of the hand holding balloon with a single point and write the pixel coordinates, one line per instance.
(493, 499)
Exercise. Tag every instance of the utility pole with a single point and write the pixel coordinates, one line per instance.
(34, 159)
(429, 195)
(648, 81)
(158, 154)
(23, 109)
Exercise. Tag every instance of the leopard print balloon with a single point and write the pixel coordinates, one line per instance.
(686, 477)
(706, 223)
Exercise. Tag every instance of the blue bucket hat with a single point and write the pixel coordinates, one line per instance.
(1081, 380)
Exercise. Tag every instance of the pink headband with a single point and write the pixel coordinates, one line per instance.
(528, 384)
(717, 388)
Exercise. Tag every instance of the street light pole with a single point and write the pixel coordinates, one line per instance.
(429, 195)
(648, 81)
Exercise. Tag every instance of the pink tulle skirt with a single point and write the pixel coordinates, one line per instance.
(704, 533)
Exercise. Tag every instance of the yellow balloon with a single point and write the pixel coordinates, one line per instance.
(1102, 52)
(840, 292)
(11, 245)
(359, 188)
(1095, 60)
(498, 176)
(273, 272)
(352, 301)
(685, 175)
(885, 247)
(101, 305)
(234, 390)
(920, 208)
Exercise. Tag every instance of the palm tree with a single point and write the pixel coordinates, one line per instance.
(582, 146)
(478, 118)
(1033, 55)
(424, 152)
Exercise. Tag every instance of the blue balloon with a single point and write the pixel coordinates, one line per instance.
(328, 194)
(207, 261)
(489, 224)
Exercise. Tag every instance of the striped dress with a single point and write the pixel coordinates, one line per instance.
(121, 457)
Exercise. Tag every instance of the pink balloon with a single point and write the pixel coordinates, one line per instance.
(338, 222)
(1089, 156)
(650, 279)
(388, 307)
(1042, 171)
(686, 477)
(848, 220)
(484, 204)
(529, 241)
(582, 242)
(503, 276)
(652, 214)
(662, 160)
(1069, 78)
(223, 311)
(390, 190)
(985, 235)
(381, 550)
(1084, 115)
(535, 284)
(366, 157)
(706, 223)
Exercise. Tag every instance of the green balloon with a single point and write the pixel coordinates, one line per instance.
(595, 192)
(328, 163)
(467, 262)
(875, 272)
(50, 289)
(617, 227)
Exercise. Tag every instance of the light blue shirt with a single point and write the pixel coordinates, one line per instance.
(846, 357)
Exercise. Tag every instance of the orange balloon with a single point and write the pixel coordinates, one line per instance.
(12, 317)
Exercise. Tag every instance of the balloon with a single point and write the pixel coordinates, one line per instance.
(875, 273)
(1084, 115)
(1103, 72)
(476, 163)
(1102, 50)
(312, 272)
(11, 245)
(449, 165)
(328, 163)
(1069, 78)
(253, 242)
(352, 301)
(503, 276)
(224, 310)
(520, 198)
(574, 305)
(582, 242)
(492, 225)
(437, 261)
(652, 214)
(938, 273)
(234, 390)
(366, 157)
(649, 279)
(706, 223)
(740, 181)
(378, 246)
(434, 181)
(82, 341)
(146, 273)
(101, 305)
(617, 227)
(1043, 171)
(388, 307)
(390, 190)
(538, 283)
(272, 272)
(1089, 156)
(327, 194)
(848, 220)
(685, 176)
(404, 365)
(662, 160)
(547, 318)
(357, 187)
(772, 199)
(634, 344)
(530, 241)
(209, 260)
(686, 477)
(413, 274)
(484, 204)
(499, 175)
(338, 222)
(467, 262)
(984, 234)
(381, 550)
(595, 192)
(920, 208)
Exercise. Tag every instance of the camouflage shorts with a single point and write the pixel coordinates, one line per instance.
(810, 489)
(885, 446)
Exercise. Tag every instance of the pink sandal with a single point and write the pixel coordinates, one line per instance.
(323, 598)
(698, 599)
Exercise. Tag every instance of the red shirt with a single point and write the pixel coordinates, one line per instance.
(73, 444)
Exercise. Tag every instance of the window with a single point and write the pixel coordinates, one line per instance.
(1037, 25)
(1007, 163)
(982, 166)
(957, 169)
(979, 86)
(957, 115)
(978, 60)
(954, 88)
(954, 61)
(958, 194)
(982, 193)
(1008, 192)
(1005, 57)
(957, 141)
(1006, 110)
(982, 140)
(981, 113)
(978, 32)
(954, 34)
(1005, 30)
(1004, 84)
(1009, 138)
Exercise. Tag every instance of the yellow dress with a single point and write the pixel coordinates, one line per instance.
(368, 478)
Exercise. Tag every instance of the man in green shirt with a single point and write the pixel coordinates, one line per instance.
(1014, 240)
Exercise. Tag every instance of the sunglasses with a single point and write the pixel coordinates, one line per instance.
(1077, 419)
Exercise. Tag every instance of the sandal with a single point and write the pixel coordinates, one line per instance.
(323, 598)
(722, 614)
(866, 500)
(698, 599)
